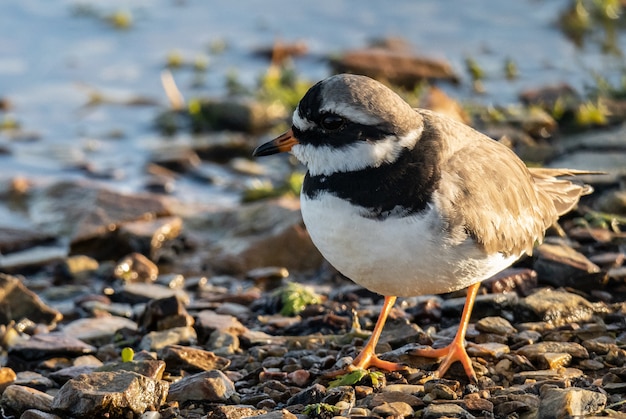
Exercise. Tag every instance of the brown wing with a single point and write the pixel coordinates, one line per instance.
(489, 191)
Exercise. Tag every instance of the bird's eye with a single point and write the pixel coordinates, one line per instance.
(332, 122)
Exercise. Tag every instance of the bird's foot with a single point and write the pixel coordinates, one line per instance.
(365, 360)
(449, 355)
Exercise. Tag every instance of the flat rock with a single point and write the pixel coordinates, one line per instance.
(44, 346)
(208, 321)
(192, 360)
(240, 412)
(536, 350)
(556, 307)
(97, 331)
(570, 402)
(82, 211)
(211, 386)
(155, 341)
(151, 368)
(110, 394)
(18, 302)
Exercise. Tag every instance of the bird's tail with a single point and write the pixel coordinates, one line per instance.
(565, 193)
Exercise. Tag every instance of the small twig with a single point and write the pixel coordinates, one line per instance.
(176, 99)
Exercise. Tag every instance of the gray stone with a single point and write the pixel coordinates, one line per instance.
(38, 414)
(570, 402)
(191, 359)
(557, 307)
(495, 324)
(561, 266)
(211, 386)
(536, 350)
(17, 399)
(112, 394)
(155, 341)
(98, 330)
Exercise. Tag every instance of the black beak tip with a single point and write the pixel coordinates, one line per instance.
(266, 149)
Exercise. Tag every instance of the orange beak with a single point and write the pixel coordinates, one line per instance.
(280, 144)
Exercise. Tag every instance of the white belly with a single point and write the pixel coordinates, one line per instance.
(398, 256)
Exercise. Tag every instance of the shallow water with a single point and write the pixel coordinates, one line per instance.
(53, 55)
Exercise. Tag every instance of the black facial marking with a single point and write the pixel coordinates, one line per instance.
(401, 188)
(347, 133)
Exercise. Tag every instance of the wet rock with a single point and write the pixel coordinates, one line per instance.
(111, 394)
(561, 266)
(236, 115)
(570, 402)
(16, 239)
(548, 96)
(155, 341)
(191, 359)
(17, 302)
(211, 386)
(556, 307)
(97, 331)
(17, 399)
(396, 67)
(153, 238)
(257, 235)
(45, 346)
(136, 268)
(445, 410)
(7, 377)
(33, 257)
(87, 214)
(178, 159)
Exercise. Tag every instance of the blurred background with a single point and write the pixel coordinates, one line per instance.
(82, 95)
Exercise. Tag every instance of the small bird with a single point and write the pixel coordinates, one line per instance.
(407, 202)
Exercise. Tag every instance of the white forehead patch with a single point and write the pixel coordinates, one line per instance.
(326, 159)
(302, 124)
(351, 113)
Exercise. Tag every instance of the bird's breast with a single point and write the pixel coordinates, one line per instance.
(397, 255)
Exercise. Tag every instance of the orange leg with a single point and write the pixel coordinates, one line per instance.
(367, 358)
(455, 351)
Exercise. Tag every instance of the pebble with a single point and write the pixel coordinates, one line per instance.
(7, 377)
(395, 409)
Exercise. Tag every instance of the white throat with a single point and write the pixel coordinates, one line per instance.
(326, 159)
